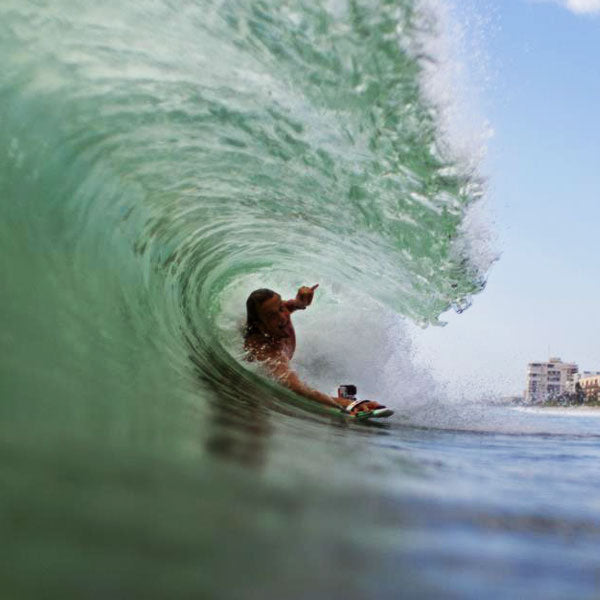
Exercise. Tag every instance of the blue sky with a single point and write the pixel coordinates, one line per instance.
(543, 166)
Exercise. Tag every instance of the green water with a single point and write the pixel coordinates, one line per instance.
(158, 161)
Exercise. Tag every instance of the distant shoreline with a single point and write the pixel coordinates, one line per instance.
(576, 411)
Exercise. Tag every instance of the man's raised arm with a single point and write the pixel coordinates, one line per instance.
(303, 298)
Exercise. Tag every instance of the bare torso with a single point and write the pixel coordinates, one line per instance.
(262, 347)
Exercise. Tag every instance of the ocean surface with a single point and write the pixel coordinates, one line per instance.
(159, 160)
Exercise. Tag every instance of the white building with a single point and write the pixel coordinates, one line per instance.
(549, 379)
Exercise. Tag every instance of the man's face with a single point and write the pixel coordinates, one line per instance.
(275, 317)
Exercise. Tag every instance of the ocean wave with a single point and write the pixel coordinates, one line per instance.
(161, 160)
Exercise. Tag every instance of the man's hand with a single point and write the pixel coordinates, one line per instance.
(368, 405)
(305, 296)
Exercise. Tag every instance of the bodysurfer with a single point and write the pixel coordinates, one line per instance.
(269, 338)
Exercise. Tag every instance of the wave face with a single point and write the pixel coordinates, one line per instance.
(160, 160)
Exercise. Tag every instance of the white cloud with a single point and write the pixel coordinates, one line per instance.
(583, 6)
(579, 7)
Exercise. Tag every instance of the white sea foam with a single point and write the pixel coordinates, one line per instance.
(456, 75)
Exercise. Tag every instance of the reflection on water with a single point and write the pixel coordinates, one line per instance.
(303, 506)
(240, 437)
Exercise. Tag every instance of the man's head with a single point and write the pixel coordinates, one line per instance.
(267, 314)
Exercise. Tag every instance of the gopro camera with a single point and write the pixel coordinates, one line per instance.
(347, 391)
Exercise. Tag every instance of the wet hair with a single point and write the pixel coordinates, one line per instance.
(255, 299)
